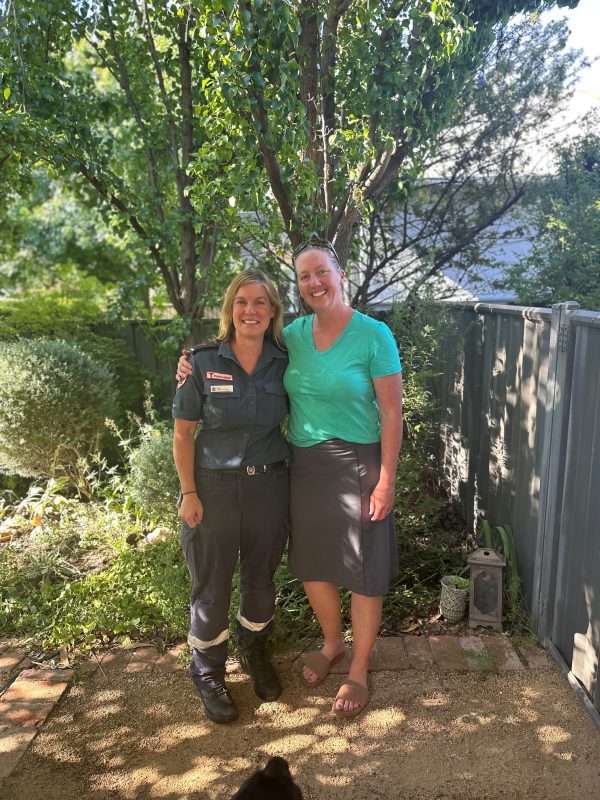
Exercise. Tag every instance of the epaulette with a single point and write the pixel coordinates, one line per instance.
(208, 346)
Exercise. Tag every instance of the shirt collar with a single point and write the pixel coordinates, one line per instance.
(269, 352)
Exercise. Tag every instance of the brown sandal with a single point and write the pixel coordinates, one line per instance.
(320, 665)
(356, 693)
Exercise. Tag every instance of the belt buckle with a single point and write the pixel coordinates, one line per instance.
(251, 470)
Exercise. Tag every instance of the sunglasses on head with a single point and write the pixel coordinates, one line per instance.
(315, 243)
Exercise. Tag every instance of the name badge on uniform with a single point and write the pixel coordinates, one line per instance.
(221, 389)
(218, 376)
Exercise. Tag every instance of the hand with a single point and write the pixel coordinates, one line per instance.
(184, 368)
(191, 510)
(381, 502)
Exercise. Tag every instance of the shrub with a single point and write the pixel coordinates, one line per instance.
(54, 399)
(75, 317)
(154, 484)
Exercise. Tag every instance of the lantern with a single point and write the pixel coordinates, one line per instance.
(485, 600)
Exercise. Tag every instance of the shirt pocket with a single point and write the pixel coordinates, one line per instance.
(276, 402)
(220, 406)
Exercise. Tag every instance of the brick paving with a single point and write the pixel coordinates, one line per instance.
(29, 695)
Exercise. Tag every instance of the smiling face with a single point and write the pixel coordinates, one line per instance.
(252, 311)
(319, 280)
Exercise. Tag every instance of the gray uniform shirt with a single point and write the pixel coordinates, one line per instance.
(240, 414)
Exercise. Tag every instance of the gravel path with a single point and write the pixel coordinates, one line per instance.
(120, 735)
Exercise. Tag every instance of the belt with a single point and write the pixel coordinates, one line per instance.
(255, 469)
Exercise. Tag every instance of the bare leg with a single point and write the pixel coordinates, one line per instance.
(325, 601)
(366, 621)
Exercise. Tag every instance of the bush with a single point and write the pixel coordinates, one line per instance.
(54, 399)
(74, 317)
(154, 484)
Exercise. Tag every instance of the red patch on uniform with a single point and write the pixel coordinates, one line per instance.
(218, 376)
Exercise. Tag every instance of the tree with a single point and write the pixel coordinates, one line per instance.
(341, 98)
(50, 234)
(479, 173)
(101, 92)
(182, 117)
(564, 214)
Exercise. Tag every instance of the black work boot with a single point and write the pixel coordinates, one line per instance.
(254, 661)
(218, 705)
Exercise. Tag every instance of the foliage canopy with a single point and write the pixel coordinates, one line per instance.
(178, 117)
(564, 218)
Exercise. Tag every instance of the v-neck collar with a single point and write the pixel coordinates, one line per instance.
(342, 335)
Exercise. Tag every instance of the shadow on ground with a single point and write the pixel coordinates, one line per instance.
(119, 736)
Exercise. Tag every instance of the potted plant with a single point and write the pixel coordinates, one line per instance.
(453, 598)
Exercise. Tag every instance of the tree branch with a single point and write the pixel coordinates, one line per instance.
(308, 49)
(144, 21)
(334, 13)
(124, 82)
(171, 279)
(270, 160)
(188, 233)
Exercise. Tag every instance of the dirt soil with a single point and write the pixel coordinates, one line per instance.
(119, 736)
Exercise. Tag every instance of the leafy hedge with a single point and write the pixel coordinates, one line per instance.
(78, 319)
(54, 399)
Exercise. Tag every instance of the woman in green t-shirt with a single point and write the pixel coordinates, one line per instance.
(345, 387)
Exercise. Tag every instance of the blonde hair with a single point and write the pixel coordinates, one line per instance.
(274, 331)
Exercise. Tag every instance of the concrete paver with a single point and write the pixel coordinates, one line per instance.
(27, 714)
(475, 651)
(448, 653)
(393, 654)
(143, 659)
(506, 659)
(38, 685)
(535, 657)
(10, 658)
(418, 652)
(169, 660)
(13, 743)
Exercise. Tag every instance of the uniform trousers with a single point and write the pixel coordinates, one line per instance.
(245, 516)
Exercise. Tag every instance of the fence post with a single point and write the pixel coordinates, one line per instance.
(558, 396)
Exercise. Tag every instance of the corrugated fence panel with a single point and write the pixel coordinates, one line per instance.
(459, 419)
(143, 349)
(493, 393)
(576, 617)
(519, 397)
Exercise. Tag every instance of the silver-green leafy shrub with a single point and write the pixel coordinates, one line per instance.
(54, 399)
(153, 480)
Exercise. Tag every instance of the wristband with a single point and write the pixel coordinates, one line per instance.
(192, 492)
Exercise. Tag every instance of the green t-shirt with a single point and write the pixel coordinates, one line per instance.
(331, 393)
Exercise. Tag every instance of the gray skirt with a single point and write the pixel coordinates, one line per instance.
(332, 538)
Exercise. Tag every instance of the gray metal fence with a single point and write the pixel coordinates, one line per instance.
(520, 444)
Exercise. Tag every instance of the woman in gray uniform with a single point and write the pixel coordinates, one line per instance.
(345, 387)
(234, 487)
